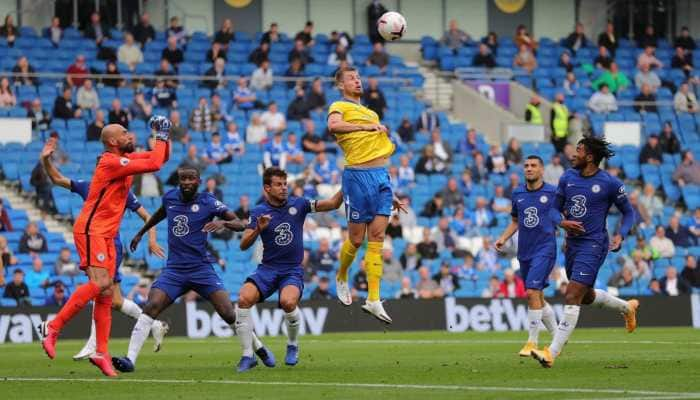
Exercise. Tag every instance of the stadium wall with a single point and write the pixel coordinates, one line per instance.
(198, 320)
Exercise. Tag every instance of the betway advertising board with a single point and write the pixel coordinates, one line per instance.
(199, 320)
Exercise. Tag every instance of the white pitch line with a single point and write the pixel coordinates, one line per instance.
(359, 386)
(445, 341)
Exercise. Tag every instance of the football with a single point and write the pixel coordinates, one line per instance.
(391, 26)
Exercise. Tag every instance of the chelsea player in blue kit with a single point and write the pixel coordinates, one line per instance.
(279, 221)
(190, 218)
(535, 219)
(119, 303)
(584, 197)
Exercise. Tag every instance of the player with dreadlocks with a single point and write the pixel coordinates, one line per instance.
(584, 197)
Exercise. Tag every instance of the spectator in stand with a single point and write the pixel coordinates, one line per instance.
(685, 100)
(275, 154)
(394, 229)
(525, 59)
(216, 51)
(325, 171)
(59, 296)
(427, 120)
(40, 117)
(434, 207)
(340, 54)
(5, 223)
(301, 53)
(651, 152)
(243, 97)
(426, 287)
(641, 215)
(17, 289)
(469, 143)
(7, 98)
(451, 194)
(172, 53)
(143, 31)
(466, 183)
(294, 153)
(233, 141)
(243, 210)
(688, 172)
(603, 60)
(140, 108)
(272, 35)
(23, 70)
(63, 107)
(322, 291)
(500, 204)
(493, 291)
(679, 234)
(65, 265)
(32, 241)
(622, 278)
(649, 58)
(9, 31)
(166, 73)
(295, 74)
(316, 98)
(443, 235)
(684, 41)
(405, 131)
(260, 53)
(410, 258)
(310, 142)
(273, 119)
(478, 170)
(668, 140)
(178, 132)
(118, 115)
(683, 60)
(570, 85)
(216, 71)
(212, 188)
(129, 52)
(163, 96)
(613, 79)
(373, 97)
(306, 35)
(454, 37)
(392, 273)
(673, 285)
(323, 259)
(429, 163)
(96, 30)
(491, 40)
(342, 38)
(76, 72)
(201, 117)
(484, 58)
(576, 39)
(115, 80)
(87, 98)
(645, 100)
(37, 278)
(565, 62)
(298, 109)
(651, 203)
(512, 286)
(661, 244)
(191, 160)
(522, 37)
(448, 281)
(554, 170)
(262, 78)
(256, 132)
(487, 257)
(482, 217)
(533, 115)
(225, 35)
(54, 32)
(646, 76)
(406, 173)
(513, 153)
(603, 101)
(496, 162)
(691, 272)
(378, 57)
(94, 130)
(648, 38)
(359, 281)
(442, 149)
(608, 39)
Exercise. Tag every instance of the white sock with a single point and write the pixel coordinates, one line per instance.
(549, 318)
(131, 309)
(138, 336)
(533, 325)
(605, 300)
(565, 328)
(292, 320)
(244, 329)
(257, 344)
(92, 340)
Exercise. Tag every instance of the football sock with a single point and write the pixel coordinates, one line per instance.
(549, 318)
(565, 328)
(103, 322)
(533, 325)
(244, 329)
(75, 303)
(373, 265)
(257, 344)
(605, 300)
(292, 320)
(347, 256)
(130, 309)
(92, 341)
(138, 336)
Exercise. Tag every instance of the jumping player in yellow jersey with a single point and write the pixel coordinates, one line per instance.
(366, 187)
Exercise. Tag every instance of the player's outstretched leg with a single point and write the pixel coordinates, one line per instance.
(103, 326)
(347, 255)
(247, 298)
(289, 299)
(628, 308)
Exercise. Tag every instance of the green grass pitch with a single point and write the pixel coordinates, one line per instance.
(652, 363)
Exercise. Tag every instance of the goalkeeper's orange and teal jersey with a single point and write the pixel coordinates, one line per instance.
(361, 146)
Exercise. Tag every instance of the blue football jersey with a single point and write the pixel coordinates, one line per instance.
(537, 221)
(283, 239)
(187, 243)
(588, 199)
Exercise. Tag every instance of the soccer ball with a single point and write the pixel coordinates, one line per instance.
(391, 26)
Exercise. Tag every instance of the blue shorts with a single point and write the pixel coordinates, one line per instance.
(367, 194)
(176, 281)
(583, 260)
(119, 249)
(269, 280)
(535, 271)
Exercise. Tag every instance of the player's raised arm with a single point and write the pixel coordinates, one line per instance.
(257, 225)
(158, 216)
(153, 246)
(337, 126)
(57, 178)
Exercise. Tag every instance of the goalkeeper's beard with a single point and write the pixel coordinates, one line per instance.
(127, 148)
